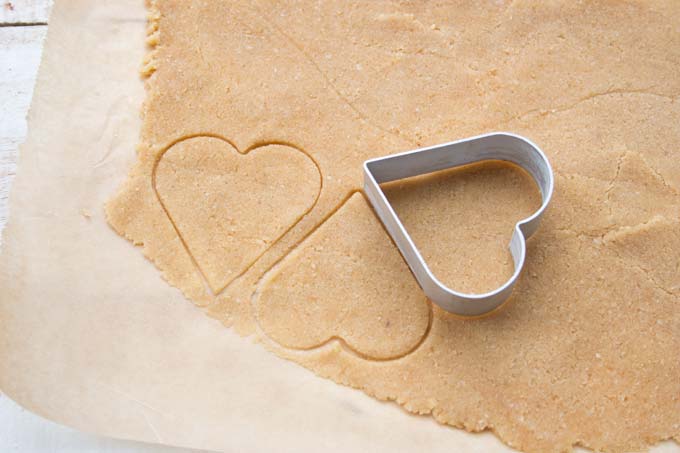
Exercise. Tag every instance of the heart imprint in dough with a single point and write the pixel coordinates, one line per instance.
(229, 207)
(346, 282)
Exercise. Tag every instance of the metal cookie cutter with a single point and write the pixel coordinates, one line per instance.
(494, 146)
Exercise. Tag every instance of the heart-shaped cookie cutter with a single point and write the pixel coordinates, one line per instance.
(501, 146)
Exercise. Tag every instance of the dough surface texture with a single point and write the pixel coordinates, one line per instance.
(247, 197)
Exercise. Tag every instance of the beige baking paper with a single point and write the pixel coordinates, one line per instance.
(93, 338)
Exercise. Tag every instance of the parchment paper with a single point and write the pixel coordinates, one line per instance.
(91, 337)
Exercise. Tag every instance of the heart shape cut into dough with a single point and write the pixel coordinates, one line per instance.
(345, 281)
(230, 207)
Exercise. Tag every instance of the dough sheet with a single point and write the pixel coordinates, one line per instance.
(587, 350)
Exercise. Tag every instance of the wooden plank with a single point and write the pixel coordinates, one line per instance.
(20, 50)
(24, 12)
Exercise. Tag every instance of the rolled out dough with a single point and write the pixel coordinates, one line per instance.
(281, 244)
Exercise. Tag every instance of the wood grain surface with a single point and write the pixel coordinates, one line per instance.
(24, 12)
(23, 25)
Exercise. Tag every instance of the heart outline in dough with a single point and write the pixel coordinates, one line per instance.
(205, 270)
(330, 264)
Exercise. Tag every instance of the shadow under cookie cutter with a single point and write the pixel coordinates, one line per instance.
(494, 146)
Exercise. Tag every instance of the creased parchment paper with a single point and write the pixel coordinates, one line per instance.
(93, 338)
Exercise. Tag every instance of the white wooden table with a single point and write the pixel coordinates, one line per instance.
(23, 26)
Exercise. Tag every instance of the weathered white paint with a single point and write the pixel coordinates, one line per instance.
(16, 12)
(20, 50)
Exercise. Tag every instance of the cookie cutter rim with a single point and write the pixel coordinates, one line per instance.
(502, 146)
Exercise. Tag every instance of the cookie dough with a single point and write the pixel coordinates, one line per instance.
(246, 195)
(229, 207)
